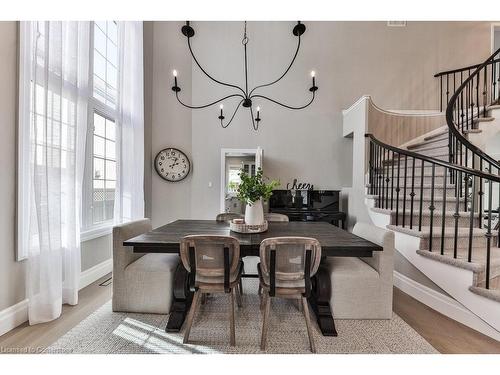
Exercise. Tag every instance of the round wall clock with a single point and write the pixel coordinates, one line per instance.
(172, 164)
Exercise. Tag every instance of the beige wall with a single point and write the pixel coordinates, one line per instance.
(394, 65)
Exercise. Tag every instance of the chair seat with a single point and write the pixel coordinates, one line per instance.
(350, 268)
(154, 263)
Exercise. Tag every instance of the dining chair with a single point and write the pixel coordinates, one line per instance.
(285, 270)
(273, 217)
(228, 216)
(214, 266)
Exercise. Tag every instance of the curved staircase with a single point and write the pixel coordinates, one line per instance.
(440, 192)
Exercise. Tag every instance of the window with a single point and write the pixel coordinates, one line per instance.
(101, 163)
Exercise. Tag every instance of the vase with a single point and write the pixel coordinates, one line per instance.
(254, 213)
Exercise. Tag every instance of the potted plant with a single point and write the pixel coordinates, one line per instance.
(251, 191)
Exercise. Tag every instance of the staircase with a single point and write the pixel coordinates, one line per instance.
(440, 193)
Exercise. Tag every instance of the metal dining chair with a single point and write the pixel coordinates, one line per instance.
(228, 216)
(285, 270)
(214, 266)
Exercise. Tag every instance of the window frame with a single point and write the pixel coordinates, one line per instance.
(88, 229)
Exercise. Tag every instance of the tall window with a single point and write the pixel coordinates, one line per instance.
(100, 175)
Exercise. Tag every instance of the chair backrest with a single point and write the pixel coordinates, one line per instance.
(208, 253)
(275, 217)
(381, 261)
(228, 216)
(290, 257)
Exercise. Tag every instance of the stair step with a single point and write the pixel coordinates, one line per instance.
(478, 235)
(472, 131)
(441, 135)
(428, 144)
(492, 107)
(483, 119)
(438, 188)
(426, 201)
(477, 265)
(463, 219)
(493, 294)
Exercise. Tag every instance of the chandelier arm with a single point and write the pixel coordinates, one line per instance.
(285, 105)
(232, 117)
(284, 74)
(206, 105)
(208, 75)
(255, 127)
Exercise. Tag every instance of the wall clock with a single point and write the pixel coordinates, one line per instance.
(172, 164)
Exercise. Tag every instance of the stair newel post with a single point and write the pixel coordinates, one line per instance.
(397, 190)
(392, 180)
(456, 216)
(404, 190)
(383, 179)
(412, 193)
(421, 197)
(488, 234)
(443, 218)
(471, 219)
(431, 207)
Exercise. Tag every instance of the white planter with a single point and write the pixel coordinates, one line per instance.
(254, 213)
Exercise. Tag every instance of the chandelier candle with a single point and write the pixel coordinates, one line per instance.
(245, 96)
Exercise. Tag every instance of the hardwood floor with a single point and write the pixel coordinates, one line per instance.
(40, 336)
(445, 334)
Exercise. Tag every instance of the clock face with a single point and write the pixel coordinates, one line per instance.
(172, 164)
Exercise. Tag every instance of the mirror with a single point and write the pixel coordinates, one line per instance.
(232, 161)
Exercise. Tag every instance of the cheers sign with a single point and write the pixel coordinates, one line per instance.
(299, 185)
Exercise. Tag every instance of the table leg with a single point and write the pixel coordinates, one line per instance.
(320, 301)
(182, 300)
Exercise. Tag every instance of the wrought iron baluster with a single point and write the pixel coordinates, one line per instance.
(392, 180)
(489, 235)
(421, 197)
(480, 194)
(431, 207)
(443, 218)
(471, 219)
(456, 215)
(397, 190)
(404, 192)
(412, 193)
(370, 178)
(383, 179)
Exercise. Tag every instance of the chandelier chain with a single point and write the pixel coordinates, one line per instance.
(244, 41)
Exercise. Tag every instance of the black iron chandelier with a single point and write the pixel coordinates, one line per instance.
(247, 96)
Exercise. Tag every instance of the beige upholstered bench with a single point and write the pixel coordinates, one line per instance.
(142, 283)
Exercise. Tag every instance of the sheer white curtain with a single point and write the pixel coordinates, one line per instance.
(53, 126)
(129, 196)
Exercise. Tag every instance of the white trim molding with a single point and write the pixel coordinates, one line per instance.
(443, 304)
(17, 314)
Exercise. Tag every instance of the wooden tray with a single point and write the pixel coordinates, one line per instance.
(246, 228)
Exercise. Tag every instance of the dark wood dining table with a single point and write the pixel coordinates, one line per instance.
(335, 242)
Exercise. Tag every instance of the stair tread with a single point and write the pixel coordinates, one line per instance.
(448, 231)
(440, 134)
(477, 265)
(437, 213)
(493, 294)
(483, 119)
(425, 198)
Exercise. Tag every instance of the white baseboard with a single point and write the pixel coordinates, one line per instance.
(87, 277)
(443, 304)
(17, 314)
(13, 316)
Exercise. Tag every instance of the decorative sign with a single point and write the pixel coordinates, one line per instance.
(299, 185)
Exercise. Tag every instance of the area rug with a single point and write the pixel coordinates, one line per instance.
(107, 332)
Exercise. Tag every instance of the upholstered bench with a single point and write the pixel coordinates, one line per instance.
(362, 287)
(142, 283)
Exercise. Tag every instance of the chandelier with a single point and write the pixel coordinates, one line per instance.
(246, 96)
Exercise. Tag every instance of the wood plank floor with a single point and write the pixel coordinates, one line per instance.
(445, 334)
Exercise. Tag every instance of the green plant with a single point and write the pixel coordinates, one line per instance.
(253, 188)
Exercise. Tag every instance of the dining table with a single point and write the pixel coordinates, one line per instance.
(334, 241)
